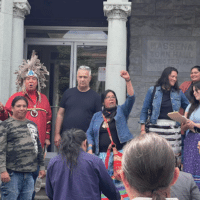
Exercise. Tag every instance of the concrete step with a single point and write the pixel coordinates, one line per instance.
(41, 198)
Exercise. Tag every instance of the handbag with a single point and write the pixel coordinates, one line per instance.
(147, 123)
(117, 162)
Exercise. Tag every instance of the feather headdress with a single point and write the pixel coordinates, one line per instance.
(31, 67)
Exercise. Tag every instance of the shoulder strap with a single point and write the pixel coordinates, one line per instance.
(152, 96)
(108, 129)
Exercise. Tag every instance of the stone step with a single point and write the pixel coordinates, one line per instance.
(41, 198)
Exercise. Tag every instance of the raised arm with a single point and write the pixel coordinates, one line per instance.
(125, 75)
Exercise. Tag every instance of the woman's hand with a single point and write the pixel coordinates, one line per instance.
(188, 125)
(142, 128)
(90, 151)
(184, 126)
(124, 74)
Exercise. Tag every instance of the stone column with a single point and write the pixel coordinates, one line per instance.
(20, 9)
(117, 12)
(6, 17)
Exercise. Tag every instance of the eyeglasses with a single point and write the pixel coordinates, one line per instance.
(113, 97)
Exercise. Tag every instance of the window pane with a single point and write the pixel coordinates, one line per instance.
(94, 57)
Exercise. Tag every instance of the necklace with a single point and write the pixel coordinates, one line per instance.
(34, 112)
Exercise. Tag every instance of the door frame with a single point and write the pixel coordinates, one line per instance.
(74, 43)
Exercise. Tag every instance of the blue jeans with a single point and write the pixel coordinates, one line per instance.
(20, 187)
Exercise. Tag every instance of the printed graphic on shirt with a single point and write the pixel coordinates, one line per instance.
(33, 131)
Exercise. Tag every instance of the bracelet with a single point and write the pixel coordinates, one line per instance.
(127, 80)
(89, 148)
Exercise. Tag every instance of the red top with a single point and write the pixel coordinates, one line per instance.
(43, 120)
(185, 85)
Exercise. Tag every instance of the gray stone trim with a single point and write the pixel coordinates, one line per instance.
(20, 9)
(117, 11)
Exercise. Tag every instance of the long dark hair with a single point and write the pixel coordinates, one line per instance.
(17, 98)
(148, 164)
(194, 102)
(70, 145)
(163, 81)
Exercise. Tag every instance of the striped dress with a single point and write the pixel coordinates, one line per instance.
(170, 131)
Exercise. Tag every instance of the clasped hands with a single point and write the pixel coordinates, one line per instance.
(189, 124)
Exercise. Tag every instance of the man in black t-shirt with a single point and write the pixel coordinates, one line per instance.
(77, 105)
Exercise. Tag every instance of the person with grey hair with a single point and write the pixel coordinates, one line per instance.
(148, 168)
(75, 174)
(77, 105)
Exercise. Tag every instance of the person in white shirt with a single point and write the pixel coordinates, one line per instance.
(148, 168)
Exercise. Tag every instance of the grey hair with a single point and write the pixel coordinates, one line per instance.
(84, 67)
(148, 164)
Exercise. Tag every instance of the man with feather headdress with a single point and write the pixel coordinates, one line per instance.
(31, 79)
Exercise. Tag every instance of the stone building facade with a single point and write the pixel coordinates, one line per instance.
(161, 33)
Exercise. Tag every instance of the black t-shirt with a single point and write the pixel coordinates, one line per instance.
(79, 108)
(104, 139)
(166, 105)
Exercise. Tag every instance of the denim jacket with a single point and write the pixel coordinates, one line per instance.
(178, 99)
(121, 118)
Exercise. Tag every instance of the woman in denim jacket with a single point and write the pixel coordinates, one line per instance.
(167, 98)
(117, 117)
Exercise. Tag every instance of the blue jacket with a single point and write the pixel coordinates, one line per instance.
(178, 99)
(86, 181)
(121, 118)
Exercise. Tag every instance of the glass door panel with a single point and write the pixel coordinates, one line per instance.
(57, 61)
(94, 57)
